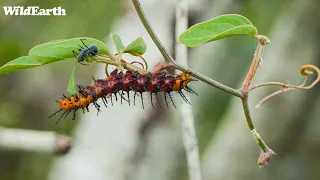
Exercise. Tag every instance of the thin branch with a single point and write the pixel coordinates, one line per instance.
(188, 128)
(38, 141)
(171, 61)
(266, 152)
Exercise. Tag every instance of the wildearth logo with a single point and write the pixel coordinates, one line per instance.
(32, 11)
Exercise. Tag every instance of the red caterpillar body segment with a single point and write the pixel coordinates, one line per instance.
(119, 83)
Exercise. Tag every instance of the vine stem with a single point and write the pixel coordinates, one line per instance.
(266, 152)
(190, 141)
(263, 40)
(169, 60)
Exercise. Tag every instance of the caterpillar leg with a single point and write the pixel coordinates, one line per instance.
(165, 99)
(110, 95)
(55, 113)
(65, 114)
(188, 89)
(184, 97)
(134, 98)
(74, 113)
(142, 100)
(94, 79)
(97, 106)
(158, 100)
(115, 94)
(104, 100)
(128, 95)
(172, 100)
(122, 97)
(151, 99)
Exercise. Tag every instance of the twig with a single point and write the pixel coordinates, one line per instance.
(38, 141)
(188, 128)
(170, 60)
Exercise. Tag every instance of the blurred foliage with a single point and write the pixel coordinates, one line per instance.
(23, 107)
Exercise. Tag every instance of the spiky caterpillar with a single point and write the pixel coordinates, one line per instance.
(119, 83)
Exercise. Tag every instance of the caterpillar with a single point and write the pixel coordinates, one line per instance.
(121, 83)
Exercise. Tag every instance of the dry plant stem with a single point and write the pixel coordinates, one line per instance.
(190, 141)
(170, 60)
(37, 141)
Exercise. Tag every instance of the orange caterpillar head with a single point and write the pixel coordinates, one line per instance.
(75, 102)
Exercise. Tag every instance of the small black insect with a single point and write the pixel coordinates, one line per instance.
(90, 51)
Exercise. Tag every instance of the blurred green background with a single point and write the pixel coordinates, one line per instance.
(25, 100)
(288, 123)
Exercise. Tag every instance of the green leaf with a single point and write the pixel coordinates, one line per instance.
(117, 42)
(137, 48)
(217, 28)
(62, 49)
(71, 88)
(19, 64)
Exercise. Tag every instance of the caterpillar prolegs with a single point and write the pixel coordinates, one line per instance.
(122, 84)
